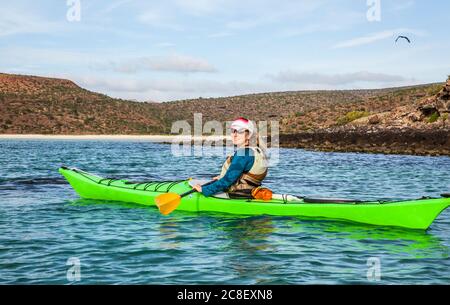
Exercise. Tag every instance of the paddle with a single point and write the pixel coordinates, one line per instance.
(168, 202)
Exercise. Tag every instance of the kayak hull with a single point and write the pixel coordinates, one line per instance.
(413, 214)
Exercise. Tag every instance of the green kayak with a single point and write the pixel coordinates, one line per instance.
(414, 214)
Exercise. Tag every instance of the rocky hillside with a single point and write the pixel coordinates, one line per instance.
(431, 112)
(30, 104)
(39, 105)
(299, 111)
(419, 127)
(383, 108)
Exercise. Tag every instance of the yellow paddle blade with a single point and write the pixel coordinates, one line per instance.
(166, 203)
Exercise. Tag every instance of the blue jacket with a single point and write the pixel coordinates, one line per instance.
(241, 162)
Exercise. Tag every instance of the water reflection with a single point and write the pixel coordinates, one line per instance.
(105, 203)
(370, 239)
(169, 234)
(248, 234)
(248, 248)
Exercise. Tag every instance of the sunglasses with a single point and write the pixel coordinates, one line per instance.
(233, 131)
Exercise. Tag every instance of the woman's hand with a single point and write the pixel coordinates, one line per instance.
(198, 188)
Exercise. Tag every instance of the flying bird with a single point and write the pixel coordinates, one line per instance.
(404, 37)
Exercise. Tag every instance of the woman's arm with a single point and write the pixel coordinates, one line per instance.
(239, 164)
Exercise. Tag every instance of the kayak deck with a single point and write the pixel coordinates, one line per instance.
(413, 214)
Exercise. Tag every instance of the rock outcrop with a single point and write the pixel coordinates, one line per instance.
(417, 128)
(427, 113)
(440, 103)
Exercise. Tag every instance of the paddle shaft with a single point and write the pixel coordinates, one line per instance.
(194, 190)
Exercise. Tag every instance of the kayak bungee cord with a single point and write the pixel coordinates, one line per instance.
(109, 182)
(149, 184)
(157, 184)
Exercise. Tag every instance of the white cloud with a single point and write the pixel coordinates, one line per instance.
(374, 37)
(172, 63)
(402, 5)
(164, 44)
(245, 23)
(167, 89)
(200, 7)
(159, 18)
(22, 56)
(342, 19)
(219, 35)
(169, 85)
(14, 22)
(184, 88)
(272, 13)
(336, 79)
(115, 5)
(308, 29)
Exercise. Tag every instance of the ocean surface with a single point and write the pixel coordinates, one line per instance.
(48, 235)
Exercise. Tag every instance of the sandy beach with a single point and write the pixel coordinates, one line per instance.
(150, 138)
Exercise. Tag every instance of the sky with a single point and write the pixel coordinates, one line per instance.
(180, 49)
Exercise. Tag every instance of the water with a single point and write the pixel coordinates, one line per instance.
(45, 226)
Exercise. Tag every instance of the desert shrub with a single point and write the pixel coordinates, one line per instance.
(351, 116)
(444, 117)
(434, 89)
(88, 120)
(433, 118)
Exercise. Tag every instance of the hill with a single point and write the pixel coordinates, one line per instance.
(300, 111)
(40, 105)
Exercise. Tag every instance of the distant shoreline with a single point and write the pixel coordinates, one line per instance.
(150, 138)
(385, 141)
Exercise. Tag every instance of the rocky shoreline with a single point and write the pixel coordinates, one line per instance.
(404, 141)
(386, 141)
(428, 142)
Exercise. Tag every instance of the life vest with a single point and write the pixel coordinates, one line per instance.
(250, 180)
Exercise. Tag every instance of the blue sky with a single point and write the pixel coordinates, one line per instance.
(178, 49)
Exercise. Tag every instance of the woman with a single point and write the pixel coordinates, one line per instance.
(242, 173)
